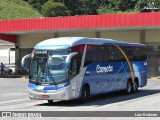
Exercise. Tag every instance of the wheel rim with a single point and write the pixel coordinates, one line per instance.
(129, 87)
(85, 94)
(135, 86)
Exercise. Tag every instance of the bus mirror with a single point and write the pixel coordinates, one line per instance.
(23, 60)
(69, 57)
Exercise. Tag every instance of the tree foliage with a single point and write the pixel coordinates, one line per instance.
(52, 9)
(89, 7)
(37, 4)
(148, 5)
(125, 5)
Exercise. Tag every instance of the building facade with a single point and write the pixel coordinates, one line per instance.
(136, 28)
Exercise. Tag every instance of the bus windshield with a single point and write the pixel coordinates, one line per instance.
(57, 68)
(48, 67)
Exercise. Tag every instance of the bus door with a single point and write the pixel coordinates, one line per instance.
(73, 64)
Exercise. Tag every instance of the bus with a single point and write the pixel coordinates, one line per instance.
(69, 68)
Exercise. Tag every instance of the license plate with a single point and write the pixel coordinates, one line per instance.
(45, 96)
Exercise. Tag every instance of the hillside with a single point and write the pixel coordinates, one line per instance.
(17, 9)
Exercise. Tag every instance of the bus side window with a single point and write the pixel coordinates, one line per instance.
(122, 58)
(144, 54)
(94, 55)
(110, 56)
(87, 59)
(99, 53)
(130, 52)
(113, 54)
(88, 56)
(106, 54)
(75, 66)
(136, 54)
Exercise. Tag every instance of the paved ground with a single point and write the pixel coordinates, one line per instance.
(14, 97)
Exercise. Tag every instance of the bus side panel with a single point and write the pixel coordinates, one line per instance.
(106, 76)
(140, 71)
(74, 87)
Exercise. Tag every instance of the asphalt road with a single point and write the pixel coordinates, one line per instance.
(14, 97)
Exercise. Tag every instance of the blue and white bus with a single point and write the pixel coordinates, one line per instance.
(78, 67)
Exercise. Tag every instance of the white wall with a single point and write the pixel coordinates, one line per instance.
(4, 56)
(85, 34)
(30, 40)
(127, 36)
(152, 36)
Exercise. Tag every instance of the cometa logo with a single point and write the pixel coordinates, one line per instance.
(106, 69)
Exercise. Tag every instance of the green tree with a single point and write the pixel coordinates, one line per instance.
(106, 10)
(72, 5)
(126, 5)
(117, 6)
(87, 7)
(109, 6)
(102, 2)
(148, 6)
(36, 4)
(52, 9)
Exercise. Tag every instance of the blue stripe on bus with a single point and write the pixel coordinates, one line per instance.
(50, 87)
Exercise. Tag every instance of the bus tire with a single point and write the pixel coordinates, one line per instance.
(85, 94)
(50, 101)
(129, 87)
(135, 87)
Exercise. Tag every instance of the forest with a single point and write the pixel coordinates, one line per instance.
(20, 9)
(51, 8)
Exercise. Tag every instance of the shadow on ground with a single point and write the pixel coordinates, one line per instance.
(105, 99)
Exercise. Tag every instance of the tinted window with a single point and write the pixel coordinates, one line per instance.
(144, 54)
(79, 49)
(115, 54)
(101, 53)
(91, 55)
(94, 54)
(105, 54)
(130, 53)
(136, 53)
(88, 56)
(121, 56)
(97, 53)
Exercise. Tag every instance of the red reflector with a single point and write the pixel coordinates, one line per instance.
(32, 54)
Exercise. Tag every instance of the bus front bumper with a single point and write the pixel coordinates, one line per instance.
(60, 94)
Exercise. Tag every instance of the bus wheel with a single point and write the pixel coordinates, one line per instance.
(135, 87)
(50, 101)
(129, 87)
(85, 94)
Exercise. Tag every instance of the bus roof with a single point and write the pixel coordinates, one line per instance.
(67, 42)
